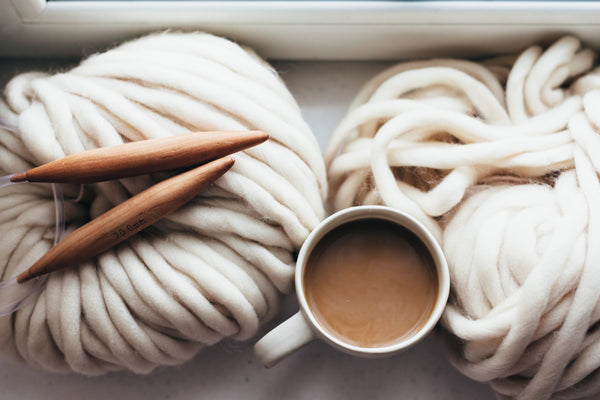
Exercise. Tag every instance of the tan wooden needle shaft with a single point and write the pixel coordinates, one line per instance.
(143, 157)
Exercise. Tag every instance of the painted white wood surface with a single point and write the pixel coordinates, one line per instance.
(301, 29)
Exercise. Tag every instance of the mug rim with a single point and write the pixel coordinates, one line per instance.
(395, 216)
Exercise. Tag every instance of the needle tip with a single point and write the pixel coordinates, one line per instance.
(256, 137)
(221, 165)
(19, 177)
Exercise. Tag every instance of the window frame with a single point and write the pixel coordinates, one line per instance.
(300, 29)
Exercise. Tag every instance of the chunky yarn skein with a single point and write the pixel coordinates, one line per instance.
(500, 159)
(215, 268)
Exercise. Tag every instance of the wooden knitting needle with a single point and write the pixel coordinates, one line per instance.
(127, 218)
(143, 157)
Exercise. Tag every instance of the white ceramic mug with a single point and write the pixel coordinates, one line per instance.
(303, 327)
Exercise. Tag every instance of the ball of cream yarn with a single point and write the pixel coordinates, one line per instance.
(215, 268)
(500, 159)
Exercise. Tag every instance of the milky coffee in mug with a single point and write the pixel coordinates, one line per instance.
(370, 280)
(371, 283)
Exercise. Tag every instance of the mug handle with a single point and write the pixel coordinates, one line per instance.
(283, 340)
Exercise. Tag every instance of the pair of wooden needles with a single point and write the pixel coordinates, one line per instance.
(210, 150)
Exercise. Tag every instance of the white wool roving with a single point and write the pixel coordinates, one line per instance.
(213, 269)
(500, 159)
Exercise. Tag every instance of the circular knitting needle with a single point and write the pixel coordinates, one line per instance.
(127, 218)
